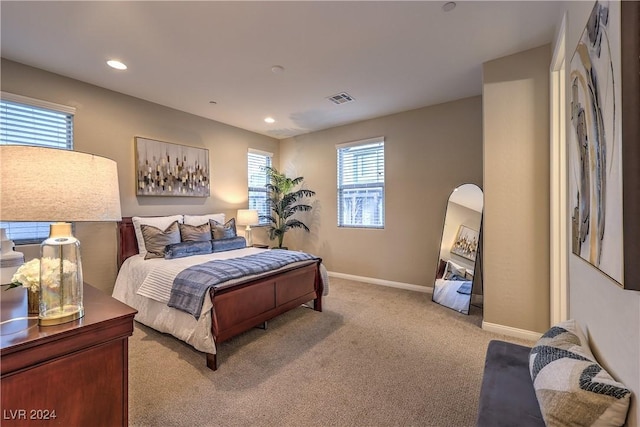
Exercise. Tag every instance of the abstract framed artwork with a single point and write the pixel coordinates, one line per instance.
(604, 159)
(466, 243)
(166, 169)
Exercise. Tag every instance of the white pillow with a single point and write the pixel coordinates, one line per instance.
(203, 219)
(453, 269)
(160, 222)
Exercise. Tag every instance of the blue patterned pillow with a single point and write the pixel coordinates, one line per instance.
(571, 387)
(221, 245)
(184, 249)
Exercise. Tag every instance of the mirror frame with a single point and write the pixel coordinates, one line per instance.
(446, 292)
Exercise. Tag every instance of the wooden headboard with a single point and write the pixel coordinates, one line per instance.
(442, 265)
(128, 244)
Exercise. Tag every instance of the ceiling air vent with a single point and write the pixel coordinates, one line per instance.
(341, 98)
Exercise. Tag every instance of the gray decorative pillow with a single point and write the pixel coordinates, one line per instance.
(184, 249)
(223, 231)
(231, 243)
(155, 240)
(195, 233)
(571, 387)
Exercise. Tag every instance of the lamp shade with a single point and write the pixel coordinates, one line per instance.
(247, 217)
(49, 184)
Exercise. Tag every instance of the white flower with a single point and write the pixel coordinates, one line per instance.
(28, 275)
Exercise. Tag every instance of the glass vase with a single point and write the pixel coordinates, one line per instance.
(60, 277)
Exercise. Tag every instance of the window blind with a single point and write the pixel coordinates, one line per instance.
(257, 161)
(361, 184)
(27, 121)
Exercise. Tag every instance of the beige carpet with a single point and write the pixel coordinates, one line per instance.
(376, 356)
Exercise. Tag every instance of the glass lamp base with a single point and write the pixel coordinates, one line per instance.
(60, 277)
(57, 316)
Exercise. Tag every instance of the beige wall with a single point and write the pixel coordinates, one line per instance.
(106, 123)
(428, 152)
(516, 190)
(609, 314)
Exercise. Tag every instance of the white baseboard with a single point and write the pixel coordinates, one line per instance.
(512, 332)
(391, 284)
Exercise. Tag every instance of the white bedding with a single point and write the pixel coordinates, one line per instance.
(445, 292)
(140, 284)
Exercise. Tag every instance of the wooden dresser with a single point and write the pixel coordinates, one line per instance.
(74, 374)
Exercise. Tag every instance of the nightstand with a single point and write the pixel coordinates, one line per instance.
(73, 374)
(258, 245)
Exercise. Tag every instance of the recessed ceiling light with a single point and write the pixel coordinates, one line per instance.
(270, 120)
(116, 64)
(277, 69)
(449, 6)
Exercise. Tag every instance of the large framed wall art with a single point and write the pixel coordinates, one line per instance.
(166, 169)
(604, 142)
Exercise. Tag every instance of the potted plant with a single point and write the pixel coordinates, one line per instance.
(284, 202)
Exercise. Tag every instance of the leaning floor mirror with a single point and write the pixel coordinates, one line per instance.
(458, 274)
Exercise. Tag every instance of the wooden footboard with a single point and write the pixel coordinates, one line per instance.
(241, 307)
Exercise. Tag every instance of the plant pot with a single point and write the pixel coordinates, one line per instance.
(33, 302)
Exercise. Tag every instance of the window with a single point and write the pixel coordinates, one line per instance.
(258, 179)
(27, 121)
(361, 184)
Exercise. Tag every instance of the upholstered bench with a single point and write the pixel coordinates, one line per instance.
(507, 397)
(558, 382)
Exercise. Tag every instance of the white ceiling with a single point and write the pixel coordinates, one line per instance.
(390, 56)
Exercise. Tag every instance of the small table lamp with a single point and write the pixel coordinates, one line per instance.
(48, 184)
(247, 217)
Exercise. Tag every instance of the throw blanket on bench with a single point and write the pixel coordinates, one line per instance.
(191, 285)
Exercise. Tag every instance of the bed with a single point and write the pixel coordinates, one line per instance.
(228, 309)
(452, 287)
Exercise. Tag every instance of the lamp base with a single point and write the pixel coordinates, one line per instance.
(58, 316)
(60, 277)
(247, 236)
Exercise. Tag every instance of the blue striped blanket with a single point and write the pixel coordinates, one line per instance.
(192, 284)
(465, 288)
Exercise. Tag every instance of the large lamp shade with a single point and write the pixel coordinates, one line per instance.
(48, 184)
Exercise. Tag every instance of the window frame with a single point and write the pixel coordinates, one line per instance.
(259, 191)
(366, 185)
